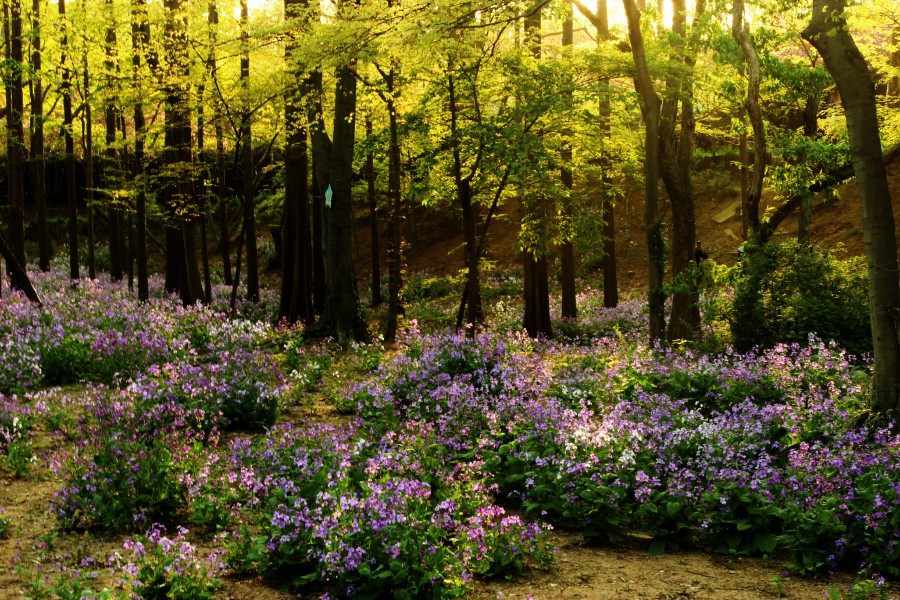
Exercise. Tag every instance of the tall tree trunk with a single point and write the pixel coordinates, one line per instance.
(321, 152)
(395, 200)
(567, 249)
(182, 268)
(71, 197)
(741, 33)
(140, 38)
(342, 317)
(221, 187)
(296, 295)
(829, 33)
(16, 135)
(247, 160)
(39, 163)
(600, 20)
(536, 282)
(676, 153)
(372, 196)
(111, 165)
(471, 306)
(88, 136)
(650, 109)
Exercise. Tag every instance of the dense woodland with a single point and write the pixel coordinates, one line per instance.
(186, 130)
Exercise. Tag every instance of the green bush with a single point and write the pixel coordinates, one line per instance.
(789, 292)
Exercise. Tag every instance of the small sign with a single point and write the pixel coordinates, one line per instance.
(328, 195)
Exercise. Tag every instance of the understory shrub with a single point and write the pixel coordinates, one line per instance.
(359, 518)
(789, 292)
(743, 453)
(128, 467)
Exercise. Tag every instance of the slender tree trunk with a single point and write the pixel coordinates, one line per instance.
(88, 133)
(140, 38)
(741, 33)
(111, 166)
(221, 187)
(829, 33)
(16, 135)
(567, 249)
(247, 161)
(37, 141)
(372, 196)
(536, 273)
(395, 200)
(321, 152)
(66, 89)
(650, 108)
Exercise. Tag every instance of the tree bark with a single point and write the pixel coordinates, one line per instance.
(71, 197)
(650, 109)
(88, 136)
(395, 203)
(296, 293)
(111, 166)
(676, 153)
(247, 162)
(140, 38)
(829, 33)
(372, 196)
(741, 33)
(16, 135)
(38, 159)
(567, 248)
(536, 281)
(342, 317)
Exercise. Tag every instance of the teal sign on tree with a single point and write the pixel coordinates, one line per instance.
(328, 196)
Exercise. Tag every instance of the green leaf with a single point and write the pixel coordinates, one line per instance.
(766, 542)
(673, 508)
(657, 547)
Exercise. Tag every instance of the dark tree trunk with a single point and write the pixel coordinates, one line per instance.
(71, 197)
(567, 249)
(600, 20)
(88, 133)
(111, 166)
(247, 162)
(676, 153)
(650, 107)
(536, 274)
(740, 32)
(342, 317)
(296, 295)
(321, 152)
(394, 250)
(829, 33)
(16, 135)
(140, 38)
(17, 274)
(182, 268)
(372, 196)
(37, 141)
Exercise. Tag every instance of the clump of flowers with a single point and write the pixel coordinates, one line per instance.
(127, 466)
(163, 568)
(372, 518)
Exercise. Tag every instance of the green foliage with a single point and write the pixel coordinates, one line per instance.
(422, 287)
(789, 292)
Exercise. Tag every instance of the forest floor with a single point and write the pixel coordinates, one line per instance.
(582, 571)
